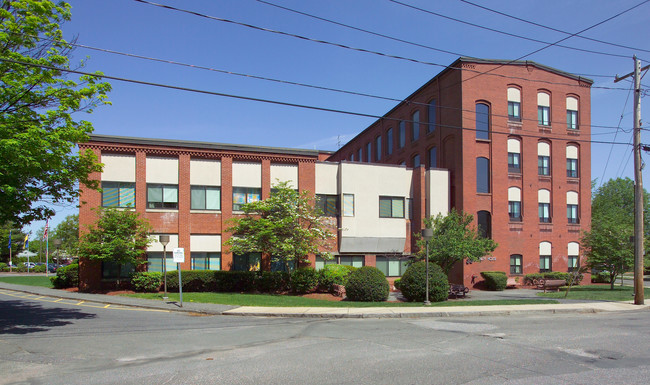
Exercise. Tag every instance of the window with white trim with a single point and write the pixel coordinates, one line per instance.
(162, 196)
(514, 104)
(543, 158)
(391, 207)
(544, 204)
(571, 113)
(545, 259)
(514, 156)
(572, 161)
(514, 204)
(572, 207)
(543, 109)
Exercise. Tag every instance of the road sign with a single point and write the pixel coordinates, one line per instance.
(179, 255)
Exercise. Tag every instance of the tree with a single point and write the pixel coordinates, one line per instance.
(454, 239)
(68, 233)
(608, 245)
(38, 162)
(287, 226)
(118, 236)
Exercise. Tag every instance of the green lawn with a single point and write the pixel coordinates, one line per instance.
(296, 301)
(598, 293)
(28, 280)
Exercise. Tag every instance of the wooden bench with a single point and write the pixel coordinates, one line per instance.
(549, 284)
(457, 290)
(338, 290)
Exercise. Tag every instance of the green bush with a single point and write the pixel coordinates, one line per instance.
(367, 284)
(600, 277)
(66, 276)
(529, 278)
(272, 281)
(38, 269)
(495, 280)
(396, 283)
(303, 280)
(147, 282)
(4, 266)
(413, 283)
(334, 275)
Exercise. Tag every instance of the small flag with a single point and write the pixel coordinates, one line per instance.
(47, 225)
(26, 242)
(9, 239)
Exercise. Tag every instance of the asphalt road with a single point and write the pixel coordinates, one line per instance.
(42, 342)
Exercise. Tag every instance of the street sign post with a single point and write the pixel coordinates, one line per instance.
(179, 257)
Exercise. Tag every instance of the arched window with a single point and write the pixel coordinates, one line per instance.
(482, 121)
(402, 134)
(433, 157)
(514, 156)
(431, 127)
(378, 148)
(389, 141)
(416, 160)
(573, 251)
(572, 161)
(544, 203)
(369, 152)
(415, 124)
(514, 104)
(543, 158)
(543, 109)
(484, 220)
(545, 259)
(572, 207)
(514, 204)
(571, 113)
(482, 175)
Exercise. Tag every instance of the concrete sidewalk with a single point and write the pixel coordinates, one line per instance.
(337, 312)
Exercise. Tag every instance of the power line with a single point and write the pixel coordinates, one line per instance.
(503, 32)
(616, 134)
(551, 28)
(339, 45)
(287, 104)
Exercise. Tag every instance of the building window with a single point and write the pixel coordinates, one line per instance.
(206, 261)
(572, 161)
(118, 194)
(572, 207)
(320, 262)
(514, 104)
(574, 262)
(545, 263)
(359, 157)
(162, 196)
(402, 134)
(112, 270)
(155, 262)
(543, 109)
(515, 264)
(514, 204)
(484, 220)
(369, 152)
(328, 204)
(433, 157)
(573, 251)
(378, 149)
(246, 262)
(415, 125)
(482, 175)
(352, 157)
(572, 113)
(354, 261)
(205, 198)
(431, 127)
(348, 205)
(416, 160)
(514, 156)
(544, 204)
(482, 121)
(243, 195)
(389, 141)
(391, 207)
(543, 159)
(391, 266)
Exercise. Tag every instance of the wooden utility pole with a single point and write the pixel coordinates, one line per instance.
(638, 184)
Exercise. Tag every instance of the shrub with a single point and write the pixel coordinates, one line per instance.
(66, 276)
(600, 277)
(396, 283)
(272, 281)
(495, 280)
(334, 275)
(38, 269)
(367, 284)
(148, 282)
(529, 278)
(413, 283)
(4, 266)
(303, 280)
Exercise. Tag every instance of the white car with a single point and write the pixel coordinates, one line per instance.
(29, 265)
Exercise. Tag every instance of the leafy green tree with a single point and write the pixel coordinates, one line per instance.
(118, 236)
(454, 239)
(38, 100)
(287, 226)
(68, 233)
(608, 246)
(17, 238)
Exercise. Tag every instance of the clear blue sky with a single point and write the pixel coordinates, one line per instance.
(144, 111)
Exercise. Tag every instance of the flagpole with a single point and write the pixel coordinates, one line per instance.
(10, 264)
(47, 251)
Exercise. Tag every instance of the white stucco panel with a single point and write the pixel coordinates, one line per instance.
(118, 168)
(155, 244)
(327, 180)
(208, 243)
(284, 173)
(437, 190)
(205, 172)
(162, 170)
(246, 174)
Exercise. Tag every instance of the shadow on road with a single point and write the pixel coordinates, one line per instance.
(17, 317)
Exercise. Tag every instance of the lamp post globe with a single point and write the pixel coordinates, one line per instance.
(164, 240)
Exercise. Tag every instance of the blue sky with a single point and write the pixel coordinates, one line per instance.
(132, 27)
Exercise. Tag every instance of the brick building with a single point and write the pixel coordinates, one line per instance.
(516, 141)
(510, 147)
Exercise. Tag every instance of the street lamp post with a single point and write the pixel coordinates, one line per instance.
(427, 234)
(164, 240)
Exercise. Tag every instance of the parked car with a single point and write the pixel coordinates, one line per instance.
(29, 265)
(51, 268)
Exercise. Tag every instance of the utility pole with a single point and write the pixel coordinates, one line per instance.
(638, 184)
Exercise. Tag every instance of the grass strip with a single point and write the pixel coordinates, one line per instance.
(237, 299)
(597, 293)
(28, 280)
